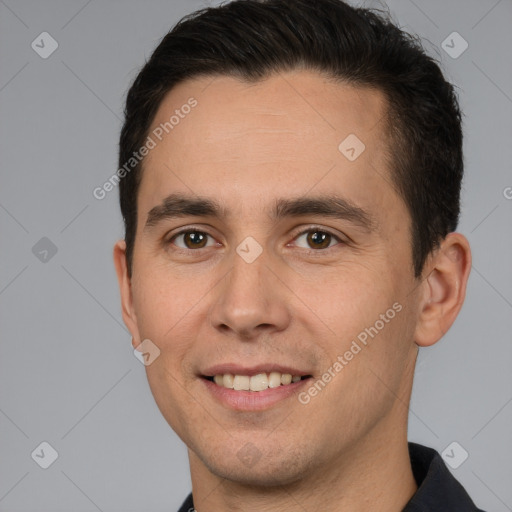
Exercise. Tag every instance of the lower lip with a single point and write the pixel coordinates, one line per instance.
(253, 400)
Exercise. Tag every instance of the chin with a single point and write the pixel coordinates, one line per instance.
(249, 467)
(265, 476)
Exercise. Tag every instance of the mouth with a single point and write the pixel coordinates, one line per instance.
(255, 383)
(253, 388)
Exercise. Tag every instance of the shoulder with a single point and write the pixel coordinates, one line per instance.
(438, 490)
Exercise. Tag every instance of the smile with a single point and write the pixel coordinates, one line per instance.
(257, 383)
(253, 389)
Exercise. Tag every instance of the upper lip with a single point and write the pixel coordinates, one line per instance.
(237, 369)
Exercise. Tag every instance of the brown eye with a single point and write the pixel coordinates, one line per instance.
(317, 239)
(191, 239)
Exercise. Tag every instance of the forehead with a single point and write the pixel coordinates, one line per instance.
(290, 133)
(304, 102)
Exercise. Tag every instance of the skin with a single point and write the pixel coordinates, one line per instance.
(246, 145)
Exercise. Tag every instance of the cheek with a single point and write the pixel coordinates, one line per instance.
(357, 312)
(350, 297)
(164, 305)
(166, 309)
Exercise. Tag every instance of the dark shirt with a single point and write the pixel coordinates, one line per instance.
(438, 490)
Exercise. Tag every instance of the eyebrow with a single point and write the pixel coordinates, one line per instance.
(332, 206)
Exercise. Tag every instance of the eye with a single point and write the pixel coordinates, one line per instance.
(191, 239)
(314, 238)
(317, 238)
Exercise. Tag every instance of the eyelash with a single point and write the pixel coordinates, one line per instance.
(310, 229)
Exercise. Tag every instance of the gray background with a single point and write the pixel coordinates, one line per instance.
(67, 372)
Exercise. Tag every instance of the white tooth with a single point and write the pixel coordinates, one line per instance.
(274, 380)
(241, 382)
(295, 378)
(259, 382)
(227, 381)
(286, 378)
(218, 379)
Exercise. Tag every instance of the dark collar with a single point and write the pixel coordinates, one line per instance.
(438, 490)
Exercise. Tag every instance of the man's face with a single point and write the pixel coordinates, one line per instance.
(258, 289)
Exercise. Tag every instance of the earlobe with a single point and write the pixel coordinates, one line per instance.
(444, 289)
(125, 289)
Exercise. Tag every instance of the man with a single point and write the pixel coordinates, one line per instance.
(289, 180)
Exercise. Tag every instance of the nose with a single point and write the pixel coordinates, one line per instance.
(251, 301)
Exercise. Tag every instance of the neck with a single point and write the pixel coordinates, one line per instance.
(375, 474)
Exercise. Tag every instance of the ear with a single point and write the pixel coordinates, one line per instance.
(443, 289)
(125, 288)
